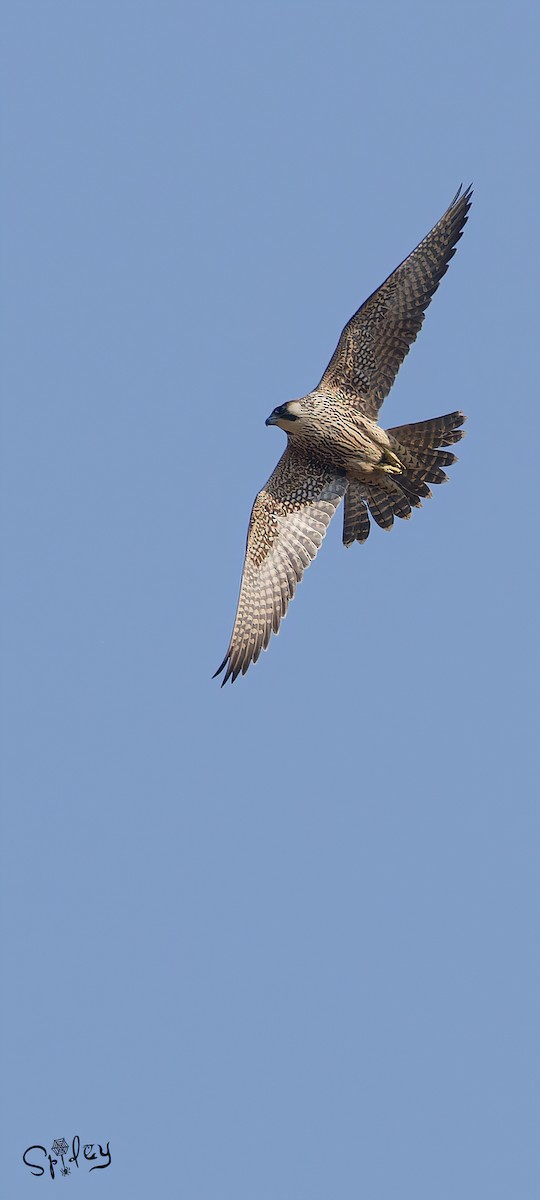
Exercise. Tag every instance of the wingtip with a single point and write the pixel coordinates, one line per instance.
(463, 194)
(222, 668)
(232, 670)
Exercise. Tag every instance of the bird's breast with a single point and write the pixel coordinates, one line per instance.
(341, 439)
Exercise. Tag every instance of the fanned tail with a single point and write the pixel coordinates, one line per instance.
(427, 435)
(417, 447)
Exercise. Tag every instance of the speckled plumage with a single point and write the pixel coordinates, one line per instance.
(337, 449)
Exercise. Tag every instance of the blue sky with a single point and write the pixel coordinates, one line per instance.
(278, 940)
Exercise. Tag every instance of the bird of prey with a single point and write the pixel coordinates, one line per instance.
(336, 449)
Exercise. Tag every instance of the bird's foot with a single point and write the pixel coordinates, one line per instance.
(390, 464)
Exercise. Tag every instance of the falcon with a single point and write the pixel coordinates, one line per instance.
(336, 450)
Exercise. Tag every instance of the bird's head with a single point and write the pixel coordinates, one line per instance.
(285, 415)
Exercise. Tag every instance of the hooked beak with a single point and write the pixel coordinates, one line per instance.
(271, 420)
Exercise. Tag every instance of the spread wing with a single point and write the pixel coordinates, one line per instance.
(374, 343)
(289, 519)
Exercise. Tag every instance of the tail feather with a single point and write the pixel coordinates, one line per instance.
(434, 458)
(381, 507)
(356, 517)
(386, 502)
(416, 446)
(428, 435)
(425, 466)
(415, 492)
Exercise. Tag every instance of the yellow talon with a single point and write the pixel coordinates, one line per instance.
(391, 464)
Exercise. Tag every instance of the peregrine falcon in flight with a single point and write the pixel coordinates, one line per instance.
(336, 449)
